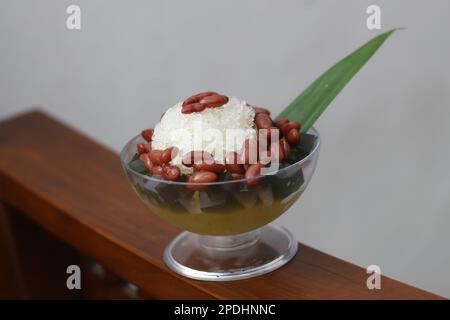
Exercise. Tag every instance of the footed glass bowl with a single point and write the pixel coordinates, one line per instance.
(227, 232)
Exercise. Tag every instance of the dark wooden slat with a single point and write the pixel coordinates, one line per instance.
(38, 261)
(41, 276)
(75, 189)
(11, 282)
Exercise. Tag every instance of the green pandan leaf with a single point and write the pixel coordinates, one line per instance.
(310, 104)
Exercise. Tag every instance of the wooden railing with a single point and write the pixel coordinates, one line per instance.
(65, 200)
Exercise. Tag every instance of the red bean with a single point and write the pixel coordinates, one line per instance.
(285, 147)
(168, 154)
(261, 110)
(197, 97)
(143, 148)
(155, 156)
(157, 170)
(232, 165)
(146, 160)
(289, 126)
(187, 109)
(198, 107)
(267, 134)
(236, 176)
(281, 121)
(213, 167)
(147, 134)
(249, 152)
(253, 174)
(263, 121)
(232, 158)
(295, 124)
(214, 101)
(170, 172)
(197, 178)
(200, 101)
(293, 137)
(197, 156)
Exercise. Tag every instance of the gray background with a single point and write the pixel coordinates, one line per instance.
(381, 191)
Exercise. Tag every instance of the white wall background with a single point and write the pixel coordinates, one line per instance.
(381, 191)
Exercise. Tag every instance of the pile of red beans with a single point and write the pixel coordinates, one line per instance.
(238, 165)
(202, 101)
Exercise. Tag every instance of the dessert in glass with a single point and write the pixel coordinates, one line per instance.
(222, 170)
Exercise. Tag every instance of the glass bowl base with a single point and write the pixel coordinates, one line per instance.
(225, 258)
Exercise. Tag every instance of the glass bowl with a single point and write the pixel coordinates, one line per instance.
(227, 232)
